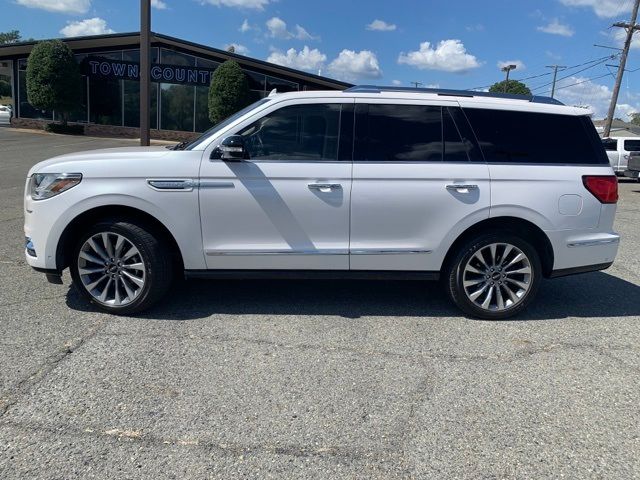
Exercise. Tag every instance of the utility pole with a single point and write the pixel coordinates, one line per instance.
(555, 74)
(631, 28)
(145, 70)
(508, 68)
(416, 84)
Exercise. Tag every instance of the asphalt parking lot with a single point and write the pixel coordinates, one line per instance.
(317, 379)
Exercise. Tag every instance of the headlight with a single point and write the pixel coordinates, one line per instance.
(47, 185)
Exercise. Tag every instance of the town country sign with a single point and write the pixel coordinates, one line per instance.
(101, 67)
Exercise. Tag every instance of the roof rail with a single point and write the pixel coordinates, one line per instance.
(452, 93)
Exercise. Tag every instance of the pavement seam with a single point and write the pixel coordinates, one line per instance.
(419, 358)
(24, 386)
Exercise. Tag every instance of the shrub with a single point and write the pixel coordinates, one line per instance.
(229, 91)
(53, 78)
(64, 128)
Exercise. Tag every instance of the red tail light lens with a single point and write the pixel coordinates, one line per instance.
(603, 187)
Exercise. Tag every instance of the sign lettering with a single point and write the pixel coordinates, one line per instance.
(99, 67)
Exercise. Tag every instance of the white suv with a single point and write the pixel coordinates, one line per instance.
(490, 193)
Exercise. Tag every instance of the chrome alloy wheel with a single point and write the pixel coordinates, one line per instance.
(111, 269)
(497, 277)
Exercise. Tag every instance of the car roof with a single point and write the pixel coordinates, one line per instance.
(468, 99)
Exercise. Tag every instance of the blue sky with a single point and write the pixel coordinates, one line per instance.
(451, 44)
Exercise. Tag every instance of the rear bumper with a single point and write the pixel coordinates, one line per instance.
(632, 173)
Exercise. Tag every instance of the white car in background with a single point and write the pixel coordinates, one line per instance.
(619, 150)
(5, 115)
(490, 193)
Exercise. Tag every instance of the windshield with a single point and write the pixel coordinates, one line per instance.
(219, 126)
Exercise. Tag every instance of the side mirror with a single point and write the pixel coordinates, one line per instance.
(230, 149)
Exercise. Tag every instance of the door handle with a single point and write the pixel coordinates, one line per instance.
(324, 187)
(462, 188)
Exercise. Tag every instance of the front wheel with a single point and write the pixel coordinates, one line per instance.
(121, 267)
(494, 276)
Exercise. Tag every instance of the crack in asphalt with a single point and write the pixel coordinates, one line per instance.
(225, 448)
(420, 358)
(24, 385)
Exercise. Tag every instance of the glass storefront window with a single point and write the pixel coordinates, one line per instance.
(105, 101)
(202, 110)
(132, 104)
(169, 57)
(280, 85)
(176, 110)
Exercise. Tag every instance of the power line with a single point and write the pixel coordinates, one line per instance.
(531, 77)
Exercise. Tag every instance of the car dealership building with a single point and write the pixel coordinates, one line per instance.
(180, 75)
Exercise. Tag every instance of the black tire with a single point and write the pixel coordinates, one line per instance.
(453, 276)
(156, 259)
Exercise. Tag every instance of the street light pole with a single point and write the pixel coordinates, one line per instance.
(507, 68)
(145, 69)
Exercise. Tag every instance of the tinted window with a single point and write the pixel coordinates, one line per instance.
(527, 137)
(399, 133)
(610, 144)
(298, 132)
(632, 145)
(455, 148)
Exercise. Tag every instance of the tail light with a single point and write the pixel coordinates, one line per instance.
(603, 187)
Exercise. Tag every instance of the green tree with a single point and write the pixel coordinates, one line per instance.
(511, 86)
(53, 78)
(635, 118)
(229, 91)
(12, 36)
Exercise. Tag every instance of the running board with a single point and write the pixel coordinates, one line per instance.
(312, 274)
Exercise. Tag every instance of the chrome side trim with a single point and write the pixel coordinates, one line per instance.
(383, 251)
(328, 251)
(212, 184)
(172, 184)
(591, 243)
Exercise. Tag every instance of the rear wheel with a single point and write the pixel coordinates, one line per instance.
(494, 276)
(121, 267)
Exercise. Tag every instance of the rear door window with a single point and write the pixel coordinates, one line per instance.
(405, 133)
(536, 138)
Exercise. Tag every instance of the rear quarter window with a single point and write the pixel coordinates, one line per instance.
(632, 145)
(536, 138)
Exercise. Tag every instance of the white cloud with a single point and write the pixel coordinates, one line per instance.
(248, 4)
(381, 26)
(518, 63)
(351, 65)
(448, 56)
(306, 59)
(245, 27)
(602, 8)
(90, 26)
(237, 48)
(478, 27)
(583, 92)
(159, 4)
(620, 35)
(397, 83)
(554, 27)
(278, 29)
(59, 6)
